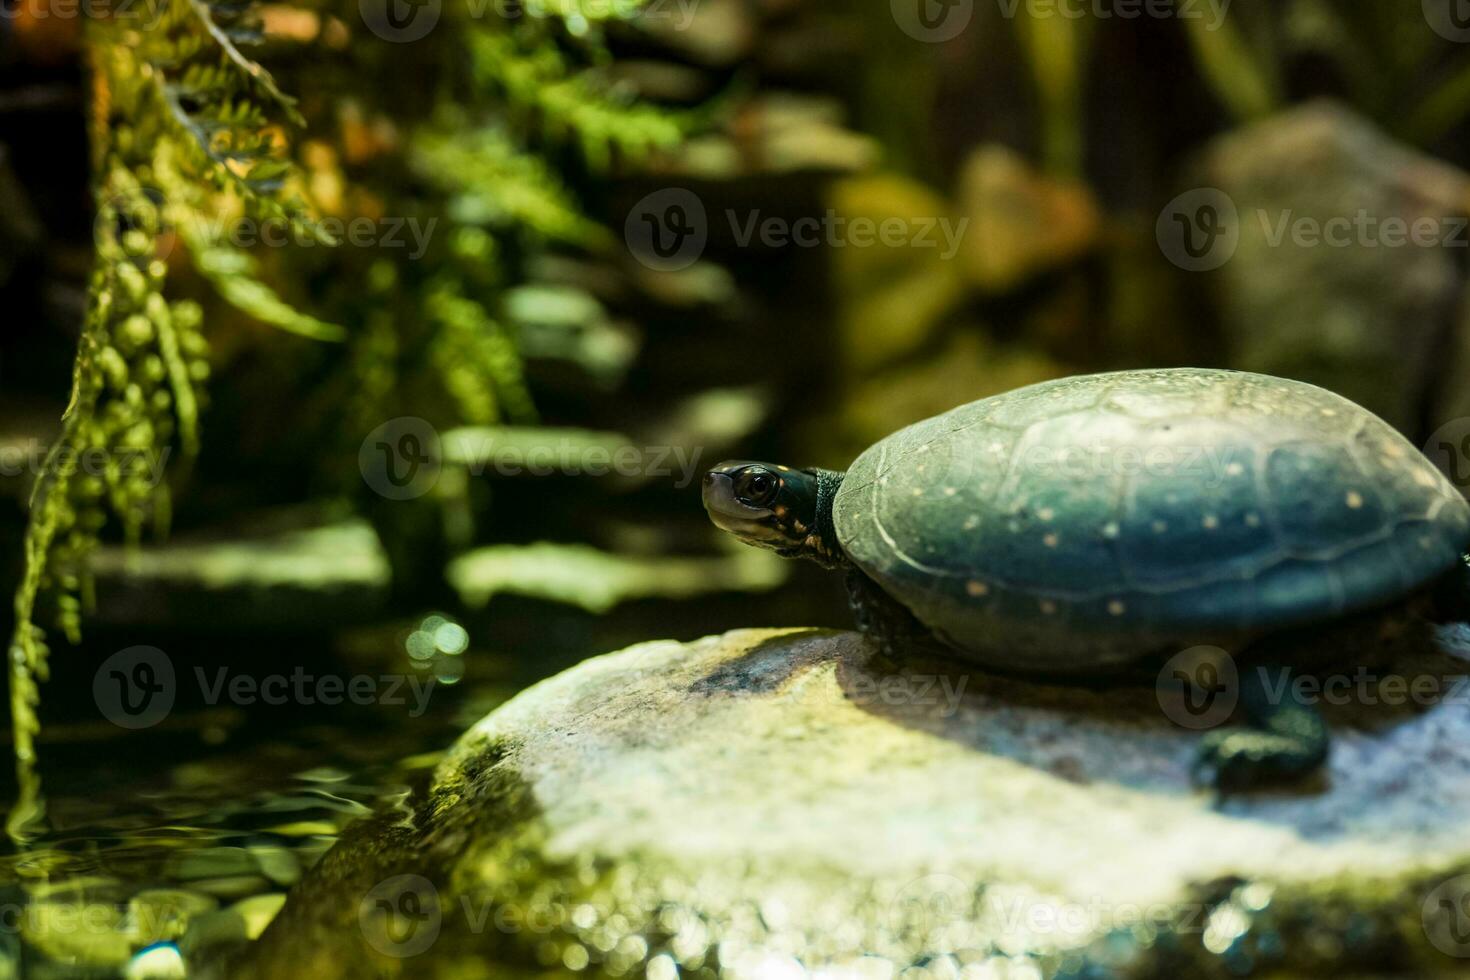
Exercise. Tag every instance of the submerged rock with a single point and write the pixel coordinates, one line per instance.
(769, 804)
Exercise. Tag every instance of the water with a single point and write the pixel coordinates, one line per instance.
(168, 848)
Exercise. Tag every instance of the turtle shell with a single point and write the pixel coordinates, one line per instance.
(1088, 521)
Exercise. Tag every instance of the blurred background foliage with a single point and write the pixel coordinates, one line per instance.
(522, 138)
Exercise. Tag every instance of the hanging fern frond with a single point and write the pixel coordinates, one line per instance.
(489, 180)
(230, 24)
(566, 102)
(471, 346)
(179, 115)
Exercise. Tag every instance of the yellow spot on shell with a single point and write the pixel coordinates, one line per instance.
(1050, 540)
(917, 492)
(1211, 522)
(1354, 499)
(1048, 607)
(1234, 469)
(1160, 527)
(977, 589)
(1046, 513)
(950, 491)
(1117, 608)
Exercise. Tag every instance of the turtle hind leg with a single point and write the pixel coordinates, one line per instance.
(1284, 738)
(885, 619)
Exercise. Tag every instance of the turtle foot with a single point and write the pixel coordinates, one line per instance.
(1241, 759)
(883, 619)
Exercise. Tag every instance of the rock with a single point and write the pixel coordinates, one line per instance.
(211, 862)
(717, 420)
(714, 34)
(1356, 305)
(891, 297)
(783, 133)
(246, 577)
(215, 935)
(763, 804)
(567, 323)
(580, 575)
(534, 451)
(81, 923)
(207, 934)
(156, 963)
(279, 864)
(163, 914)
(967, 367)
(1021, 222)
(257, 911)
(233, 886)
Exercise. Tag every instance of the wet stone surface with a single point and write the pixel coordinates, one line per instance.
(768, 804)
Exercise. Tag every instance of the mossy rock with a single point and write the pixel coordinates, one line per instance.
(769, 804)
(1326, 283)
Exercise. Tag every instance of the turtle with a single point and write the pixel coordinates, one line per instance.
(1090, 525)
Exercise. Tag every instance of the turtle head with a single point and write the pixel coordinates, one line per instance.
(786, 510)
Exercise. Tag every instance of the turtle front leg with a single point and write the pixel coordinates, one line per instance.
(879, 615)
(1284, 739)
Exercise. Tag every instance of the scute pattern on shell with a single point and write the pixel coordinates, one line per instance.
(1098, 519)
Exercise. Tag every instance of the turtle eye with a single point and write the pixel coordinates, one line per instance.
(756, 487)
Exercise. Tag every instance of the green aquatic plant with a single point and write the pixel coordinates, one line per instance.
(180, 119)
(1057, 50)
(1398, 70)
